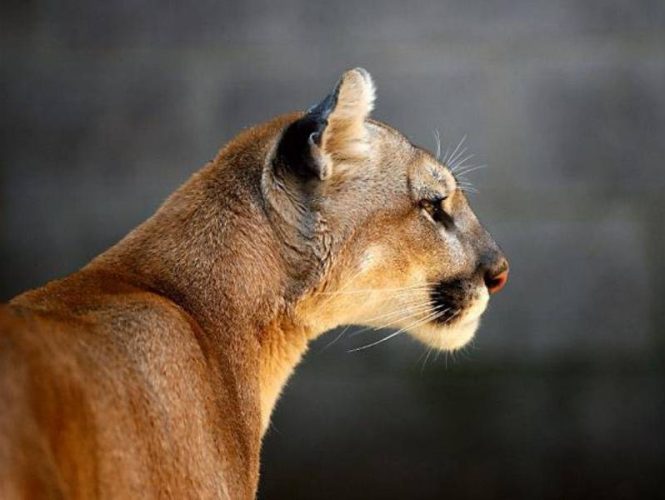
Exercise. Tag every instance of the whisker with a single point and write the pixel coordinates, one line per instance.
(398, 299)
(344, 330)
(454, 153)
(445, 155)
(465, 183)
(437, 142)
(412, 300)
(345, 286)
(429, 317)
(469, 169)
(420, 286)
(405, 315)
(402, 307)
(453, 316)
(415, 285)
(454, 159)
(373, 290)
(429, 351)
(439, 351)
(440, 347)
(457, 165)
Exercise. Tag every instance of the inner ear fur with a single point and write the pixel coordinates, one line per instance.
(333, 130)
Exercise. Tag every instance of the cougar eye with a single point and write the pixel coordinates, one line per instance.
(434, 208)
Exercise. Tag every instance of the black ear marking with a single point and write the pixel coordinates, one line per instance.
(298, 149)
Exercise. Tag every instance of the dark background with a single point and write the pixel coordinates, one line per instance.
(106, 107)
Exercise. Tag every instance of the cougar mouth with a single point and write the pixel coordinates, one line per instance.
(453, 298)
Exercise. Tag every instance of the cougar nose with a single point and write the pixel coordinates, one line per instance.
(496, 278)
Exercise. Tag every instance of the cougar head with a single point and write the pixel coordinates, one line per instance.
(380, 231)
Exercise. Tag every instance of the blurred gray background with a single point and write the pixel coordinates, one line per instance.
(107, 107)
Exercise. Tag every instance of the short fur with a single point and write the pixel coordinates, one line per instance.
(152, 371)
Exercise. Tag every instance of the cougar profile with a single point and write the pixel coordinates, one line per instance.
(152, 371)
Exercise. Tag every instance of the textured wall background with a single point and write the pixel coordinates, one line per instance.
(107, 107)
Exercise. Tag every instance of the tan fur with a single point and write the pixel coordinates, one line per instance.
(152, 371)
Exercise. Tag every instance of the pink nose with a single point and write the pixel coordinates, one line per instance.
(496, 282)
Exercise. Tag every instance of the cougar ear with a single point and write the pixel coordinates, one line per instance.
(331, 131)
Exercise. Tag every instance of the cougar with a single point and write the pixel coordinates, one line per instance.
(153, 370)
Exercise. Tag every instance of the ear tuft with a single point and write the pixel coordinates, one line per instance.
(332, 131)
(346, 134)
(356, 95)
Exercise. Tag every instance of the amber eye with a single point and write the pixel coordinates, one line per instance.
(434, 207)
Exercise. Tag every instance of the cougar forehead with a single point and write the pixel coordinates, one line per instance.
(395, 158)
